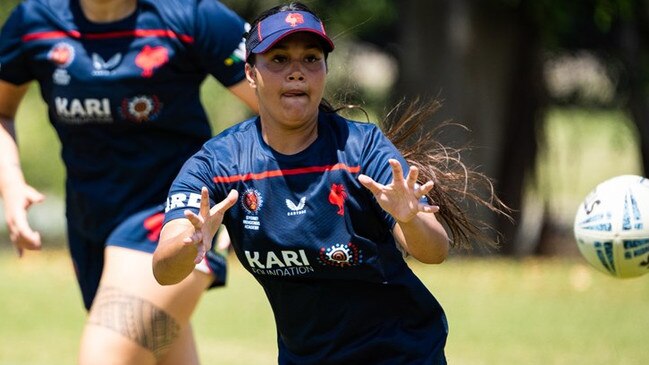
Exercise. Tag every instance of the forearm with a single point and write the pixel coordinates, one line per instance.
(424, 238)
(173, 260)
(11, 175)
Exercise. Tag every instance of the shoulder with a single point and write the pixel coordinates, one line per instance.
(349, 129)
(186, 12)
(29, 12)
(233, 139)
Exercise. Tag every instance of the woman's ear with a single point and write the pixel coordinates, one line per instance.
(250, 75)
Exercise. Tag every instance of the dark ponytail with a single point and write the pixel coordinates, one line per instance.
(456, 186)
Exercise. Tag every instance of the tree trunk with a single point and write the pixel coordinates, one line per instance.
(481, 61)
(634, 55)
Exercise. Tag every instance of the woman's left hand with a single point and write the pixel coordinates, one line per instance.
(400, 198)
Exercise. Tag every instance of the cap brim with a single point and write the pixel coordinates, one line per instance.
(274, 38)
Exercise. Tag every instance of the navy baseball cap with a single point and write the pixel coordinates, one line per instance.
(274, 28)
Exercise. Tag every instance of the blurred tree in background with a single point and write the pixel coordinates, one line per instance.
(490, 62)
(498, 66)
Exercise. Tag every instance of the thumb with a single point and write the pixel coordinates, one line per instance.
(370, 184)
(33, 195)
(226, 203)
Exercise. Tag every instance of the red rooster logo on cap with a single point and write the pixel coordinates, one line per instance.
(337, 197)
(293, 19)
(150, 58)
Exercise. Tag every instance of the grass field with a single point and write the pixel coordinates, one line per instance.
(500, 312)
(527, 312)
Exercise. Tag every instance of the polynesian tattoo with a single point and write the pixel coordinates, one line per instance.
(135, 319)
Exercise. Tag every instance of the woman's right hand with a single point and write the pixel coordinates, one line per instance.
(16, 204)
(206, 223)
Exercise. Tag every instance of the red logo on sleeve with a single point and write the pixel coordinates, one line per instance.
(153, 224)
(337, 197)
(150, 58)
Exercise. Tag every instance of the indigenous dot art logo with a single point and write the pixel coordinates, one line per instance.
(141, 108)
(341, 255)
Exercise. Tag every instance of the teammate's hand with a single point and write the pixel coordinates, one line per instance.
(20, 232)
(207, 222)
(401, 197)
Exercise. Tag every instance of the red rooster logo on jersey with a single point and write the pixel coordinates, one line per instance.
(150, 58)
(293, 19)
(153, 224)
(337, 197)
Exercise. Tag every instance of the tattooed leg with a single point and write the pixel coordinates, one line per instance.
(134, 318)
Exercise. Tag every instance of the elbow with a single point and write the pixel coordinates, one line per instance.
(436, 255)
(164, 279)
(162, 276)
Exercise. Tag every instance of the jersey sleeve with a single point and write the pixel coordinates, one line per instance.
(185, 191)
(219, 41)
(14, 65)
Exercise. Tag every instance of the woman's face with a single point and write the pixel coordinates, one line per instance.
(289, 80)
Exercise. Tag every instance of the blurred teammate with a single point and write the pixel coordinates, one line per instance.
(121, 79)
(320, 211)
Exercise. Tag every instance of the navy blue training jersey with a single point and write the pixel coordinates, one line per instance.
(122, 96)
(319, 243)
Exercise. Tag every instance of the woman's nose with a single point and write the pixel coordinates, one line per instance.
(296, 76)
(295, 72)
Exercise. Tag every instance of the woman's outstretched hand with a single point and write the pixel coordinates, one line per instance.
(22, 236)
(400, 198)
(207, 222)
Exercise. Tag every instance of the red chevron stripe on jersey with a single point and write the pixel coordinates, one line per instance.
(276, 173)
(136, 33)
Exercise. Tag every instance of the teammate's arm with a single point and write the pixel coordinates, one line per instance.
(246, 94)
(17, 195)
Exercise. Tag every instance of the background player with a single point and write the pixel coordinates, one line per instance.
(319, 211)
(121, 79)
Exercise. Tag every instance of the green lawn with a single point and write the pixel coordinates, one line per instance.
(500, 312)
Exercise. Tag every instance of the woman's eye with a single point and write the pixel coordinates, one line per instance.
(279, 59)
(312, 59)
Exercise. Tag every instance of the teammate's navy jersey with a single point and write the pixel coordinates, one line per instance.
(319, 243)
(122, 96)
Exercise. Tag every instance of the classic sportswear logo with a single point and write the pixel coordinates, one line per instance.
(296, 209)
(103, 68)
